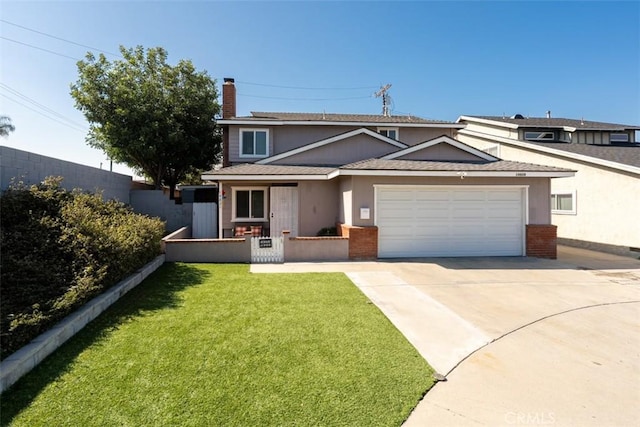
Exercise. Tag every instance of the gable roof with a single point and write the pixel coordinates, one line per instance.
(382, 167)
(570, 125)
(403, 166)
(331, 140)
(323, 119)
(441, 140)
(624, 158)
(628, 154)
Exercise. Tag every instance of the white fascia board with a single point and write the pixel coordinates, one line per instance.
(559, 153)
(330, 140)
(266, 177)
(330, 123)
(458, 174)
(441, 139)
(487, 122)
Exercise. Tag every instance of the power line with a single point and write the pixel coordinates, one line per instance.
(39, 48)
(58, 38)
(304, 99)
(308, 88)
(43, 114)
(39, 105)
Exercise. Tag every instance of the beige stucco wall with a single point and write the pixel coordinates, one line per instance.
(607, 210)
(491, 130)
(356, 148)
(363, 193)
(318, 205)
(443, 152)
(289, 137)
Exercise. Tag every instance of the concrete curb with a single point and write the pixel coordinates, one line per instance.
(29, 356)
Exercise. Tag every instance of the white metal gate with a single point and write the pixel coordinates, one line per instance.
(267, 250)
(205, 221)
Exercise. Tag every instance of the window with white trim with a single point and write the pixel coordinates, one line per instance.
(619, 137)
(389, 132)
(546, 135)
(563, 203)
(249, 204)
(254, 142)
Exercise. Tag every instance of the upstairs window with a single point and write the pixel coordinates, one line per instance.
(563, 203)
(619, 137)
(389, 132)
(540, 135)
(254, 142)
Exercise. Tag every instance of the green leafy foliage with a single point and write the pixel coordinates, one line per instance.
(154, 117)
(61, 248)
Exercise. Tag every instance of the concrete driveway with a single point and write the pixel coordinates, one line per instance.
(521, 341)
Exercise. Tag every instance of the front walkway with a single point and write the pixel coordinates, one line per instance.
(521, 340)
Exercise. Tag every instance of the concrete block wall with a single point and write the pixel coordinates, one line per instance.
(156, 203)
(542, 241)
(32, 168)
(29, 356)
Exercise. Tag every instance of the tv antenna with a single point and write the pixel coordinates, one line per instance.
(382, 93)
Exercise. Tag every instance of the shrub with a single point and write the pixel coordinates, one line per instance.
(327, 231)
(60, 249)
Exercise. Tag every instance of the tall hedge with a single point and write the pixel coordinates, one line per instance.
(58, 250)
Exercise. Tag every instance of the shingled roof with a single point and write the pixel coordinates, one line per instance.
(543, 122)
(422, 165)
(333, 117)
(627, 154)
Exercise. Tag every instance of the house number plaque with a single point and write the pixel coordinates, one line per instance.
(264, 243)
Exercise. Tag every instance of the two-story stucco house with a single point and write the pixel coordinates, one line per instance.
(397, 186)
(596, 208)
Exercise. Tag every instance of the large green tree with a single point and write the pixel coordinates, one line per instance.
(6, 126)
(156, 118)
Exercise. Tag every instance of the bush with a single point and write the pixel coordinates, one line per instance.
(327, 231)
(60, 249)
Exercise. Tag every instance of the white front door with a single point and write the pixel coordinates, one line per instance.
(284, 211)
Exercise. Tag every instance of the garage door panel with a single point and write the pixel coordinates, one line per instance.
(429, 222)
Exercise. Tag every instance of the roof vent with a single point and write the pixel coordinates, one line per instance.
(517, 116)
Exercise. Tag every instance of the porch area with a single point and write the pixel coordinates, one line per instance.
(254, 248)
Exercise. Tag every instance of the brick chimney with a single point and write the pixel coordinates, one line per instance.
(228, 98)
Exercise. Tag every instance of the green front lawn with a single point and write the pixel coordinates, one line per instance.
(206, 345)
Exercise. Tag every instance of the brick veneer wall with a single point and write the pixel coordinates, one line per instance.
(542, 241)
(363, 241)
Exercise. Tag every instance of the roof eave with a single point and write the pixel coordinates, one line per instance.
(336, 123)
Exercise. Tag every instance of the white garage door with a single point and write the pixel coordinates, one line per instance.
(427, 221)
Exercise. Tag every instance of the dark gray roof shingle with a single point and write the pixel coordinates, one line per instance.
(624, 154)
(543, 122)
(333, 117)
(421, 165)
(254, 169)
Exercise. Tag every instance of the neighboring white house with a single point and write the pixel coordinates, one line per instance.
(599, 207)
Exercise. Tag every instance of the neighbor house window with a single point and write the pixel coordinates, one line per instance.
(619, 137)
(563, 203)
(249, 204)
(389, 132)
(254, 142)
(539, 136)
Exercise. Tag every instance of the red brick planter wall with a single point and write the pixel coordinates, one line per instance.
(363, 241)
(542, 241)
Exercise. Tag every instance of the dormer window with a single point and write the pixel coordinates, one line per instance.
(389, 132)
(254, 142)
(619, 137)
(540, 135)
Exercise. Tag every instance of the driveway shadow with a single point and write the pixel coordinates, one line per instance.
(159, 291)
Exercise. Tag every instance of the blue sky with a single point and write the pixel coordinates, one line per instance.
(443, 59)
